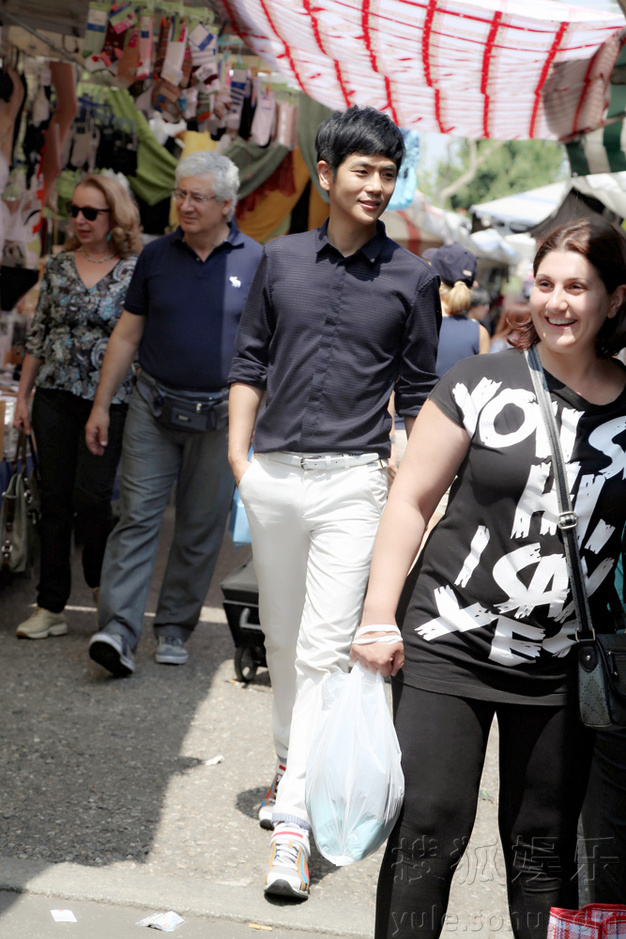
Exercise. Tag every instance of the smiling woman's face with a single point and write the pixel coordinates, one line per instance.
(569, 302)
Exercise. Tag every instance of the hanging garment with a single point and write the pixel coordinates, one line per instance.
(145, 46)
(287, 125)
(264, 118)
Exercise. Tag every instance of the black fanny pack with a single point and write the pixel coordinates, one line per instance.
(192, 411)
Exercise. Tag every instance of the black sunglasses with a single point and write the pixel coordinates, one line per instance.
(88, 211)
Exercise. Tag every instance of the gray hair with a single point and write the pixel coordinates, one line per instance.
(223, 171)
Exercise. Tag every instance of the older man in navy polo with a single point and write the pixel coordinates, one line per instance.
(181, 317)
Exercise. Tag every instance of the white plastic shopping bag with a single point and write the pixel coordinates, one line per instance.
(354, 780)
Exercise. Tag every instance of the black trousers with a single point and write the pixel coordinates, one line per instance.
(76, 488)
(604, 820)
(544, 763)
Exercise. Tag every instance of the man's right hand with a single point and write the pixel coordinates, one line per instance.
(97, 430)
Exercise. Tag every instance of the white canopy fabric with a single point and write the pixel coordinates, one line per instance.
(505, 69)
(526, 208)
(532, 207)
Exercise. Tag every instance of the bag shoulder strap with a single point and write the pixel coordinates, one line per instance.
(567, 519)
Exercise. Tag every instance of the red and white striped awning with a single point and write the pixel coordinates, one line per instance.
(505, 69)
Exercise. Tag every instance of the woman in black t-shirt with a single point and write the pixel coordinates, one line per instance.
(488, 614)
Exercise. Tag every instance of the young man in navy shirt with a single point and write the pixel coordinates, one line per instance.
(336, 320)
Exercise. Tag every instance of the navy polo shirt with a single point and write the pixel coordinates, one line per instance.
(329, 337)
(192, 307)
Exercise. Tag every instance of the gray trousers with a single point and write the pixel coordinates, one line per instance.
(153, 459)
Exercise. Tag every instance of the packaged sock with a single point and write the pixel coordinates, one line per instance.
(145, 46)
(95, 30)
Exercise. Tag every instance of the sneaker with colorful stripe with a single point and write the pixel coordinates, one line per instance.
(266, 809)
(287, 873)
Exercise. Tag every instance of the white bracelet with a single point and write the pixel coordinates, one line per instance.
(360, 635)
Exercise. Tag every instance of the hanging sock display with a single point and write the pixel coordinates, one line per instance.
(203, 47)
(264, 118)
(287, 125)
(122, 17)
(240, 88)
(96, 28)
(129, 63)
(146, 25)
(172, 70)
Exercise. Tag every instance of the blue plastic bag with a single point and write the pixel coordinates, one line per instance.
(238, 525)
(354, 779)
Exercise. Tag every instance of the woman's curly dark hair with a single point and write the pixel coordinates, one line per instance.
(604, 246)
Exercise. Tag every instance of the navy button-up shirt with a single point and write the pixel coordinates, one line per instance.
(330, 337)
(192, 307)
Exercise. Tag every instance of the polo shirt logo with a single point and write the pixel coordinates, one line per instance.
(235, 281)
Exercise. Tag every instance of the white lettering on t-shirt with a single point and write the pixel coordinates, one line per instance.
(515, 642)
(548, 584)
(472, 403)
(451, 618)
(530, 576)
(478, 545)
(510, 397)
(603, 439)
(534, 499)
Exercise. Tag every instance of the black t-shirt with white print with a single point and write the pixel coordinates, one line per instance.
(489, 613)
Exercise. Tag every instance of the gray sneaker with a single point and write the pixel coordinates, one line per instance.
(170, 651)
(112, 652)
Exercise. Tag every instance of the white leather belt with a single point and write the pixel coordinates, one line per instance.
(316, 461)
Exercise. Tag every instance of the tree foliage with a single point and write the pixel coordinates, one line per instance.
(478, 171)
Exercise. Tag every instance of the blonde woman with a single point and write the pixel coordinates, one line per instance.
(81, 298)
(460, 336)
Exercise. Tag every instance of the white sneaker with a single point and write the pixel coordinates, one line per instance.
(287, 873)
(266, 809)
(41, 624)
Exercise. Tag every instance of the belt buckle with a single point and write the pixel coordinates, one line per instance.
(306, 459)
(567, 520)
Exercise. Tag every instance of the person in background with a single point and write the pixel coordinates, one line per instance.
(336, 319)
(507, 329)
(181, 317)
(488, 620)
(480, 307)
(80, 301)
(460, 336)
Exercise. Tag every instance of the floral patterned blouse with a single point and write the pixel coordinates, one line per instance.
(72, 324)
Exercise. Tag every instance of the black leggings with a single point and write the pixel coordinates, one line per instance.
(544, 763)
(76, 488)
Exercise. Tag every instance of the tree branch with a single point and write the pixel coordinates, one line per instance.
(475, 161)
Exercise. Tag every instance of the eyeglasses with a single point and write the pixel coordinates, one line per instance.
(88, 211)
(196, 198)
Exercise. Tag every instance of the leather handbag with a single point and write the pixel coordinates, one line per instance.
(601, 656)
(19, 512)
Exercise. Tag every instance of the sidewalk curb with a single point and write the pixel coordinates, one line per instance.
(241, 903)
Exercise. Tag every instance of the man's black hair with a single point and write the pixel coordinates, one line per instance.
(480, 297)
(358, 130)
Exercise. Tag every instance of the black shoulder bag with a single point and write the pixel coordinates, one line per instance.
(601, 656)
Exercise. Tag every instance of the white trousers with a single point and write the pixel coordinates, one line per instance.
(312, 534)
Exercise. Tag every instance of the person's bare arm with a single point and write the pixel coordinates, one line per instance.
(436, 449)
(121, 350)
(243, 406)
(484, 341)
(30, 368)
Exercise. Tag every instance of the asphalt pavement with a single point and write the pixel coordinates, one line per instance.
(125, 798)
